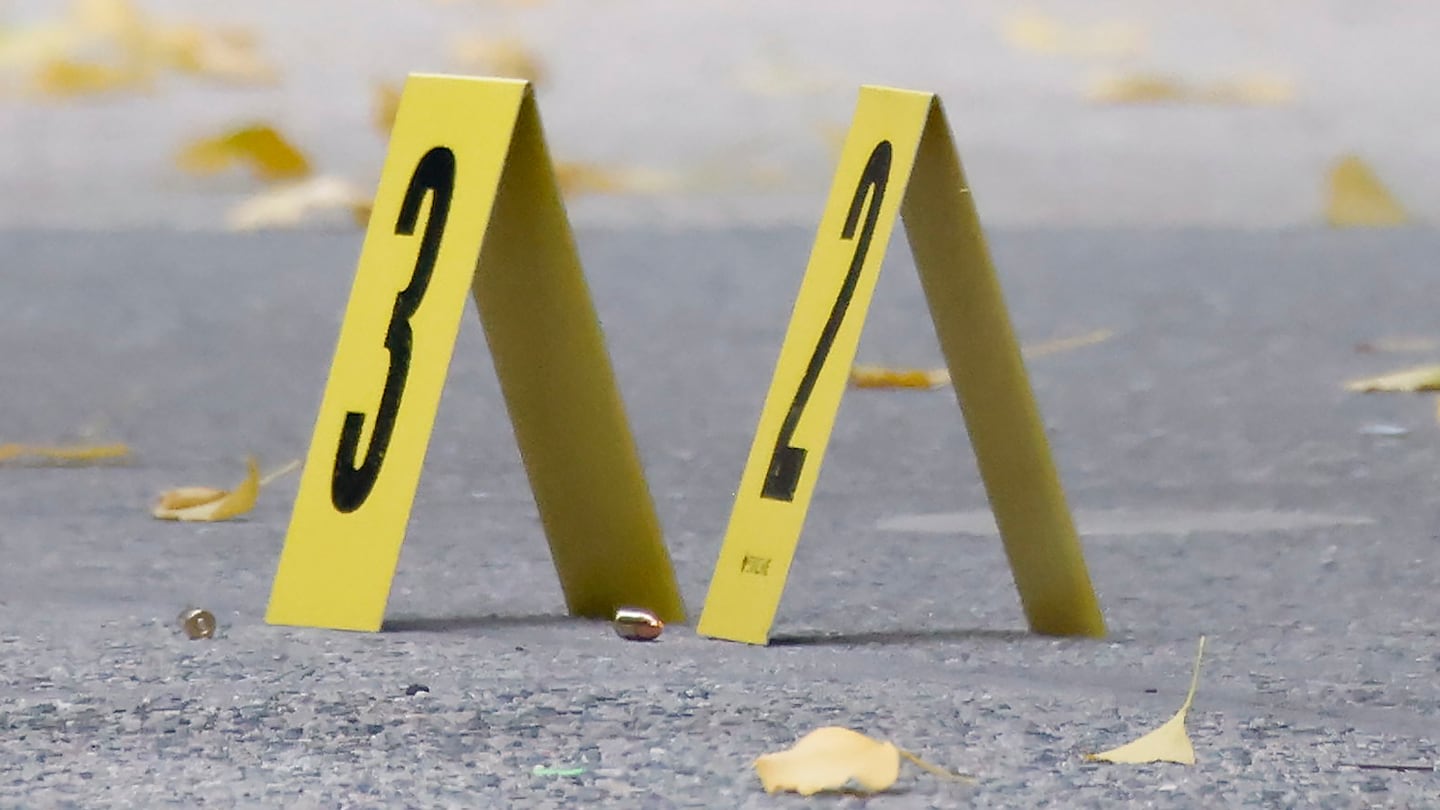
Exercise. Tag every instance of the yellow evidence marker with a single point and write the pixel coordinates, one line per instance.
(899, 158)
(468, 201)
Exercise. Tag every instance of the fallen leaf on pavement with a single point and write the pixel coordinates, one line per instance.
(229, 54)
(70, 454)
(505, 58)
(1066, 344)
(209, 504)
(576, 179)
(42, 43)
(1424, 378)
(385, 97)
(1355, 198)
(1169, 742)
(1150, 88)
(831, 758)
(882, 377)
(296, 204)
(103, 46)
(67, 77)
(1041, 33)
(258, 147)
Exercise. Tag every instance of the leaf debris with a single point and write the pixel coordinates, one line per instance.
(1355, 197)
(831, 758)
(36, 454)
(1423, 378)
(258, 146)
(1169, 742)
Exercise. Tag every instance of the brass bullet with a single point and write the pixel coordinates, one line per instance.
(198, 623)
(634, 624)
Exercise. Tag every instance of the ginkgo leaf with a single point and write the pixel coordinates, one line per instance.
(1355, 198)
(68, 77)
(1256, 90)
(41, 43)
(1058, 345)
(832, 758)
(576, 179)
(208, 504)
(1040, 33)
(1149, 88)
(227, 54)
(505, 58)
(257, 146)
(71, 454)
(1424, 378)
(386, 103)
(882, 377)
(104, 46)
(1169, 742)
(296, 204)
(115, 18)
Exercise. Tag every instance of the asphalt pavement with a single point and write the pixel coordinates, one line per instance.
(1225, 484)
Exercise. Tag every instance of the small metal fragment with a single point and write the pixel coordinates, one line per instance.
(634, 624)
(198, 623)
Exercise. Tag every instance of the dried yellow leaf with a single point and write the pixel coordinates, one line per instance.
(1356, 198)
(74, 454)
(41, 43)
(830, 758)
(386, 98)
(186, 497)
(504, 58)
(111, 18)
(576, 179)
(882, 377)
(1066, 344)
(1256, 90)
(1040, 33)
(207, 504)
(296, 204)
(259, 146)
(68, 78)
(1136, 89)
(1424, 378)
(1146, 88)
(226, 54)
(832, 134)
(1169, 742)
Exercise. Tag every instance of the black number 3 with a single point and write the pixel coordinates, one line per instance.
(786, 461)
(352, 482)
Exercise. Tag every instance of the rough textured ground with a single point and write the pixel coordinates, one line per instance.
(1239, 493)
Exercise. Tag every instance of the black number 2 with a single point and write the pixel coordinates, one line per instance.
(786, 461)
(352, 481)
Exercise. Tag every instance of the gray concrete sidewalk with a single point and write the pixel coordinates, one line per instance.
(738, 103)
(1226, 483)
